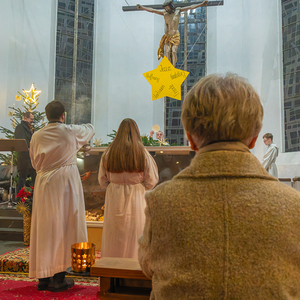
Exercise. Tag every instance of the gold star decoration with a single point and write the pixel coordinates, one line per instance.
(163, 142)
(166, 80)
(97, 142)
(34, 94)
(22, 207)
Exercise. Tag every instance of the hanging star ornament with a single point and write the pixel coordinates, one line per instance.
(166, 80)
(34, 94)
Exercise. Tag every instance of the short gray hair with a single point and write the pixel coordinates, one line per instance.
(222, 108)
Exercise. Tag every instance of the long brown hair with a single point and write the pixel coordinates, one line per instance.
(126, 153)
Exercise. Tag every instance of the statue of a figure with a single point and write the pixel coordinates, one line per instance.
(171, 39)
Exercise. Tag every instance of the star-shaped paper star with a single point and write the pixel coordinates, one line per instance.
(166, 80)
(34, 94)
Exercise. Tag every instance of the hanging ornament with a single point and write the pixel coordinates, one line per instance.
(166, 80)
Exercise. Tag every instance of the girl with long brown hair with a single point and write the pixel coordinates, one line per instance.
(127, 170)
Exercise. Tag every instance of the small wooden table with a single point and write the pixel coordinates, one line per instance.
(121, 278)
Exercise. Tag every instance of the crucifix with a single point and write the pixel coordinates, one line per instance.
(171, 13)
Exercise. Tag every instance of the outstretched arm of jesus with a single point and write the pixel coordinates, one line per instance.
(149, 9)
(204, 3)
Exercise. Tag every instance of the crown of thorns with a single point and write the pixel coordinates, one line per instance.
(167, 3)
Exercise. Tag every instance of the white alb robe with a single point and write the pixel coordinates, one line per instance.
(124, 216)
(58, 213)
(269, 159)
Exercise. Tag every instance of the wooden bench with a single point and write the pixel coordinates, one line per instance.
(121, 278)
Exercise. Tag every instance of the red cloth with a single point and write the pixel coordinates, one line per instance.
(25, 290)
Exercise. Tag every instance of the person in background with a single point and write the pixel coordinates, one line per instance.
(58, 212)
(270, 156)
(223, 228)
(127, 170)
(159, 135)
(25, 131)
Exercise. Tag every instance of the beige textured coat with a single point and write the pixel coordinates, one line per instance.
(223, 228)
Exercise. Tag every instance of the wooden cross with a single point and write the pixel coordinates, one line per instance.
(159, 6)
(170, 40)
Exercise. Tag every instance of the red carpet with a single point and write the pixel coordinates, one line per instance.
(24, 288)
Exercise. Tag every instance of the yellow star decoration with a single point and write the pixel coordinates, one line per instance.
(166, 80)
(163, 142)
(34, 94)
(97, 143)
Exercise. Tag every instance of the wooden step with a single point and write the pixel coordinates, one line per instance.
(11, 222)
(8, 212)
(11, 234)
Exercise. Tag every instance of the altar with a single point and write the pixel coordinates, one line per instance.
(170, 161)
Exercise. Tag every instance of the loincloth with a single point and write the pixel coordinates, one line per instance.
(167, 39)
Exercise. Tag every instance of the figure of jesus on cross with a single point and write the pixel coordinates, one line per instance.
(171, 39)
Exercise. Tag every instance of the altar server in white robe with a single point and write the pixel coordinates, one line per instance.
(270, 156)
(58, 214)
(127, 170)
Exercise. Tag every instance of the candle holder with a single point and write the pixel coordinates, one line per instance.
(83, 256)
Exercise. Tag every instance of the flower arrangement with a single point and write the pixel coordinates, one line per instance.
(149, 141)
(25, 199)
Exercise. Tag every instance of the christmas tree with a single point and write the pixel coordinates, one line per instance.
(30, 104)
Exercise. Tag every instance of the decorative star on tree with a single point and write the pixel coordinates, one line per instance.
(34, 94)
(16, 116)
(166, 80)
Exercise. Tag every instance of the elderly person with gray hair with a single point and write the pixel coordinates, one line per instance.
(223, 228)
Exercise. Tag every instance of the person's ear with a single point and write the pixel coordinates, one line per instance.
(193, 145)
(62, 118)
(252, 143)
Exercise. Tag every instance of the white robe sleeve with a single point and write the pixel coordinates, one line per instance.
(150, 172)
(145, 246)
(83, 133)
(269, 157)
(102, 175)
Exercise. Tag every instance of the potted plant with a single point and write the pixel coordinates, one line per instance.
(24, 206)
